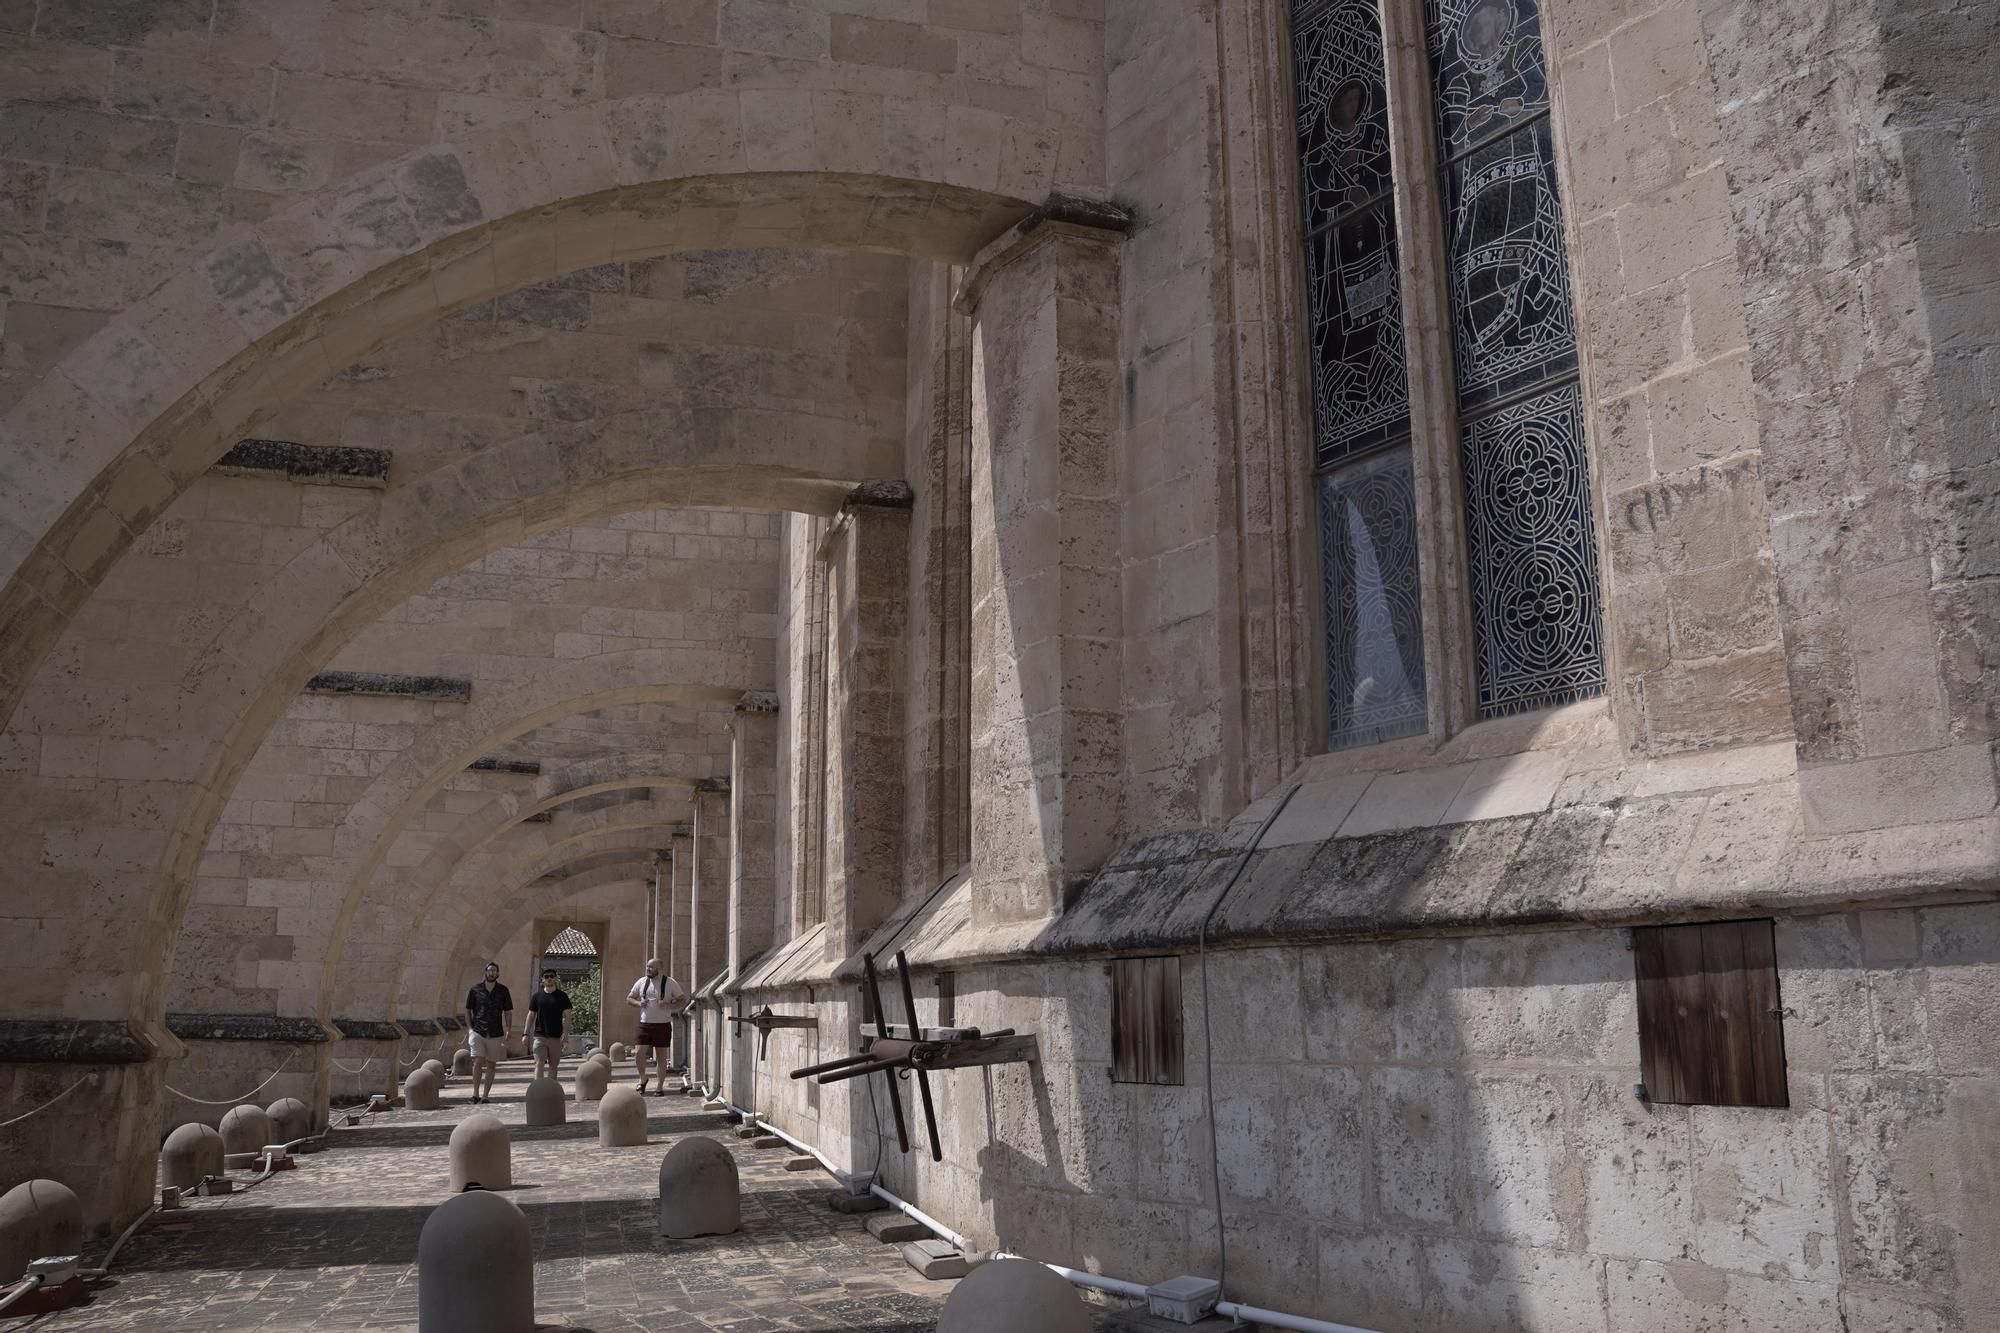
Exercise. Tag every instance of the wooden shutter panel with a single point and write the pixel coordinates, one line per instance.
(1710, 1025)
(1146, 1045)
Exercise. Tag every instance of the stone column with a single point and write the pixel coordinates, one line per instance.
(679, 911)
(708, 894)
(1047, 618)
(868, 569)
(753, 826)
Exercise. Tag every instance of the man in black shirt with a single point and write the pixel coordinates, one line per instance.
(486, 1008)
(546, 1008)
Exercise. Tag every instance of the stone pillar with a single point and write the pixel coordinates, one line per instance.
(101, 1085)
(753, 826)
(708, 897)
(680, 916)
(868, 558)
(1047, 617)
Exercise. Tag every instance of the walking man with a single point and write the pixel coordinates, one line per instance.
(546, 1008)
(486, 1008)
(655, 995)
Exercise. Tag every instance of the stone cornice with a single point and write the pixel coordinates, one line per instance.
(326, 464)
(1061, 215)
(245, 1027)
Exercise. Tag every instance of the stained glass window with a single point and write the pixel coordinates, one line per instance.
(1374, 611)
(1360, 384)
(1360, 376)
(1529, 533)
(1533, 554)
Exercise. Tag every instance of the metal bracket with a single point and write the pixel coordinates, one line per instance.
(764, 1021)
(917, 1049)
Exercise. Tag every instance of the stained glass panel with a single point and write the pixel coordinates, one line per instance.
(1361, 386)
(1535, 617)
(1343, 108)
(1374, 604)
(1512, 324)
(1487, 69)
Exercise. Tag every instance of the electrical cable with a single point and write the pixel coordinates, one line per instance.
(234, 1101)
(1208, 1042)
(47, 1104)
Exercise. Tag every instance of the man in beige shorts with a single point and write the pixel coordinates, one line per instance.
(486, 1008)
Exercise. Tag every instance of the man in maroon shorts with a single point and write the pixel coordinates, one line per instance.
(656, 996)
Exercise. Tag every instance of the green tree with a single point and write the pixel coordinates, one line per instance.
(588, 997)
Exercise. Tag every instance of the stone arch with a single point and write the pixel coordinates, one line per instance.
(260, 659)
(117, 429)
(375, 919)
(526, 906)
(458, 915)
(459, 859)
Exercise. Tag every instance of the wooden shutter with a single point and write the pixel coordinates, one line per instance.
(1711, 1031)
(1146, 1042)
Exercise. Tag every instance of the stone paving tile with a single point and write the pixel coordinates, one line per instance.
(332, 1245)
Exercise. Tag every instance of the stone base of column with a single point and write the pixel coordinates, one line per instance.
(101, 1088)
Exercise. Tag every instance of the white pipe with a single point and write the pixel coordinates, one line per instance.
(32, 1284)
(1075, 1276)
(912, 1210)
(832, 1170)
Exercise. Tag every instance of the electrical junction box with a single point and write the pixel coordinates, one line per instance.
(1183, 1299)
(54, 1269)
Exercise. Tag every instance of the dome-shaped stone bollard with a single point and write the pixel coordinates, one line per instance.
(699, 1193)
(621, 1119)
(480, 1154)
(461, 1061)
(290, 1120)
(245, 1130)
(420, 1090)
(190, 1152)
(592, 1078)
(545, 1103)
(475, 1267)
(436, 1066)
(1008, 1294)
(618, 1052)
(38, 1218)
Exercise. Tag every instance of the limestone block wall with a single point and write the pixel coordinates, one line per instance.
(1441, 1133)
(1689, 583)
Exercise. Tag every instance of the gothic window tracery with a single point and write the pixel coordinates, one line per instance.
(1530, 542)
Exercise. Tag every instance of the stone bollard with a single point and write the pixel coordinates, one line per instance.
(592, 1078)
(436, 1066)
(190, 1152)
(475, 1267)
(481, 1154)
(38, 1218)
(245, 1131)
(290, 1120)
(699, 1193)
(545, 1103)
(420, 1090)
(461, 1061)
(618, 1052)
(621, 1119)
(1003, 1295)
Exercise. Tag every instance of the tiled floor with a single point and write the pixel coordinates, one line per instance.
(333, 1244)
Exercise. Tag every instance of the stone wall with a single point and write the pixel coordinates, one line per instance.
(1442, 1133)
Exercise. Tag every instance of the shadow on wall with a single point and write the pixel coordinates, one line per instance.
(1443, 1132)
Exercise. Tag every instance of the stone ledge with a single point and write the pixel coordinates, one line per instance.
(378, 683)
(446, 1023)
(529, 767)
(368, 1029)
(757, 701)
(418, 1027)
(68, 1041)
(880, 495)
(331, 465)
(719, 786)
(245, 1027)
